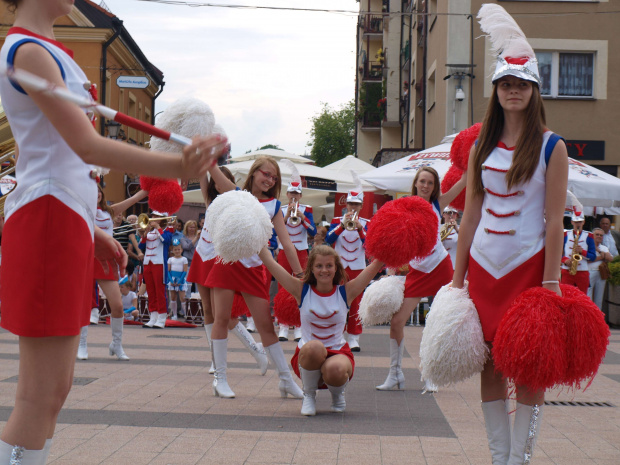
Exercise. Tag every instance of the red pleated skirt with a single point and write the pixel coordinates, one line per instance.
(420, 284)
(237, 277)
(344, 350)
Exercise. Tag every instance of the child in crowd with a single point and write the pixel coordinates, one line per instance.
(177, 272)
(130, 300)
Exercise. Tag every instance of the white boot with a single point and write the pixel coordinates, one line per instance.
(283, 334)
(297, 333)
(310, 380)
(161, 321)
(429, 386)
(220, 384)
(94, 316)
(524, 433)
(173, 309)
(286, 385)
(250, 326)
(354, 342)
(338, 401)
(17, 455)
(497, 423)
(152, 321)
(257, 350)
(116, 346)
(208, 328)
(396, 377)
(46, 450)
(83, 348)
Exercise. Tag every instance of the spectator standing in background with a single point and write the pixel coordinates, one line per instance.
(189, 240)
(597, 283)
(609, 239)
(319, 237)
(177, 230)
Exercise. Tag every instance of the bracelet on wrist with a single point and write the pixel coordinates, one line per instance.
(551, 282)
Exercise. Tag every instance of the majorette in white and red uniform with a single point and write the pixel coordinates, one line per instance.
(350, 247)
(586, 240)
(204, 258)
(248, 274)
(323, 317)
(155, 245)
(298, 234)
(507, 254)
(428, 275)
(49, 217)
(104, 221)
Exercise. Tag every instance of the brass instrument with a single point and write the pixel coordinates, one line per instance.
(445, 231)
(576, 257)
(295, 219)
(8, 184)
(349, 224)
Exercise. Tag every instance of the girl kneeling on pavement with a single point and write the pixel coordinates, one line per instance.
(323, 358)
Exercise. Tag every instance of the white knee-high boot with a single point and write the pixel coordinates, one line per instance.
(220, 383)
(524, 433)
(17, 455)
(161, 321)
(497, 423)
(208, 329)
(339, 403)
(116, 346)
(152, 320)
(173, 309)
(94, 316)
(83, 347)
(286, 385)
(256, 349)
(396, 377)
(310, 380)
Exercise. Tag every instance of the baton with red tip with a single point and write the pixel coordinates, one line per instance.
(39, 84)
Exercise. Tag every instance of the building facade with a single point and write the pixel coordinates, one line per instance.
(434, 76)
(108, 54)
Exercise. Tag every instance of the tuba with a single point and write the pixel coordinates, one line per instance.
(295, 219)
(349, 224)
(575, 257)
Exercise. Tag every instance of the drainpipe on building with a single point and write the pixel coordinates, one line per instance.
(357, 67)
(424, 58)
(471, 68)
(161, 89)
(118, 26)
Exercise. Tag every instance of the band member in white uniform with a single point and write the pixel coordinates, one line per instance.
(577, 242)
(450, 222)
(299, 227)
(510, 238)
(349, 243)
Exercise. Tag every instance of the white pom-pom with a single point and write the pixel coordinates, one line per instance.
(188, 117)
(239, 225)
(381, 300)
(452, 347)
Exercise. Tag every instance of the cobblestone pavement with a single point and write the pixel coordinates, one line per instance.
(159, 408)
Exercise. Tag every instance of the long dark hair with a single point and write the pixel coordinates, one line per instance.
(212, 192)
(527, 151)
(436, 187)
(103, 204)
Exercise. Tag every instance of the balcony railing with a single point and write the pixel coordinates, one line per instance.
(373, 71)
(373, 24)
(371, 119)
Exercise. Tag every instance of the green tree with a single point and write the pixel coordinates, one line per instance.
(332, 133)
(264, 147)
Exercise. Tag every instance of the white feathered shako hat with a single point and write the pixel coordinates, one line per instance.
(356, 195)
(295, 183)
(515, 56)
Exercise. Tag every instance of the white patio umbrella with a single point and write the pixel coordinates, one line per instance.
(593, 187)
(274, 153)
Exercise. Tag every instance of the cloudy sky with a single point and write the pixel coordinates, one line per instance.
(263, 72)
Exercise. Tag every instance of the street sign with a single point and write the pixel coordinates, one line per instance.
(134, 82)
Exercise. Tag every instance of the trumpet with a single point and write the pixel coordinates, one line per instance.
(143, 222)
(295, 219)
(446, 230)
(349, 224)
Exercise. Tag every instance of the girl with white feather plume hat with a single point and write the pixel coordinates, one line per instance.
(247, 276)
(511, 234)
(299, 224)
(349, 243)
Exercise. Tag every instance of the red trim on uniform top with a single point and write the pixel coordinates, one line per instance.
(351, 242)
(151, 248)
(208, 242)
(350, 251)
(326, 294)
(294, 227)
(501, 145)
(323, 326)
(296, 234)
(502, 215)
(347, 260)
(26, 32)
(490, 168)
(512, 194)
(323, 317)
(492, 231)
(321, 338)
(265, 200)
(297, 242)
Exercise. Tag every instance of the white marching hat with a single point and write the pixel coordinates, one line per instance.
(356, 195)
(576, 217)
(295, 184)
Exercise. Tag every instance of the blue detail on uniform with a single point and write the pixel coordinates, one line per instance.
(304, 292)
(331, 236)
(551, 143)
(10, 59)
(436, 205)
(591, 255)
(312, 228)
(343, 293)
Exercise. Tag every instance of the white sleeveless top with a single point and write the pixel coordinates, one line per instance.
(104, 221)
(350, 246)
(439, 253)
(272, 206)
(512, 225)
(46, 164)
(323, 317)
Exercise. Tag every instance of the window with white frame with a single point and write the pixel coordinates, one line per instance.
(566, 74)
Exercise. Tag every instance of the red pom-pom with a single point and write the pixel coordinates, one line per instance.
(239, 307)
(530, 345)
(166, 196)
(459, 151)
(146, 182)
(285, 308)
(402, 230)
(452, 176)
(588, 336)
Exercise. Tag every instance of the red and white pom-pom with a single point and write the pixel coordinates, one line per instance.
(588, 336)
(452, 176)
(461, 146)
(285, 308)
(530, 345)
(402, 230)
(147, 182)
(166, 196)
(239, 307)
